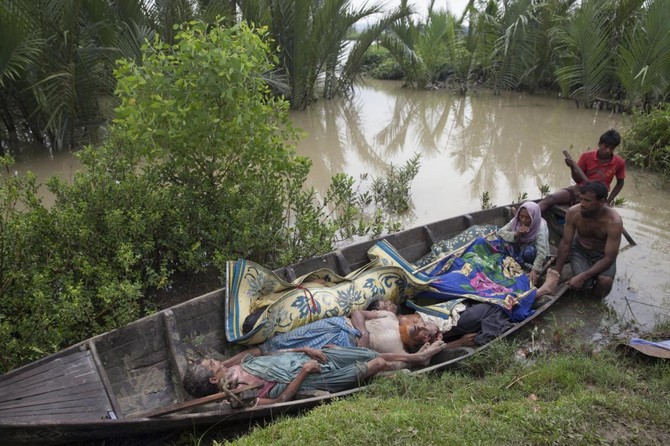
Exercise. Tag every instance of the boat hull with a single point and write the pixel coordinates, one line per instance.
(104, 387)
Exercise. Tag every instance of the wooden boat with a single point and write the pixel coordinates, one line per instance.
(128, 381)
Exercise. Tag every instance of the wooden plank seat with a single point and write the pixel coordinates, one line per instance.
(65, 388)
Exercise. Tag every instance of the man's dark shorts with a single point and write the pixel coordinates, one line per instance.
(582, 259)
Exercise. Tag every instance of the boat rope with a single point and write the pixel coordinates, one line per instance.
(227, 387)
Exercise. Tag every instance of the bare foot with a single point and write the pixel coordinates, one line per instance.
(550, 283)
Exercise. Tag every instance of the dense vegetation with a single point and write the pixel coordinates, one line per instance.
(647, 141)
(198, 169)
(57, 58)
(593, 51)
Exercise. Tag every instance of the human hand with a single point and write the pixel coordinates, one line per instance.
(523, 229)
(533, 277)
(315, 354)
(570, 162)
(364, 340)
(467, 340)
(577, 282)
(429, 349)
(311, 366)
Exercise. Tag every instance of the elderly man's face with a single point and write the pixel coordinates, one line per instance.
(217, 368)
(425, 332)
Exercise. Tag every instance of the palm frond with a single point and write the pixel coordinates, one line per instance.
(643, 59)
(587, 62)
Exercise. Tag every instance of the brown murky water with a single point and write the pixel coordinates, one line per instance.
(504, 145)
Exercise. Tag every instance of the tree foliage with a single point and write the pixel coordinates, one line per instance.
(199, 169)
(315, 55)
(616, 50)
(648, 139)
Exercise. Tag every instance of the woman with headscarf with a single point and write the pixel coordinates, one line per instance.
(528, 237)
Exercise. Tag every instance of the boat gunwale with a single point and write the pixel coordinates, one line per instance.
(431, 233)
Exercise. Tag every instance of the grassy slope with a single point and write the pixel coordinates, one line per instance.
(564, 395)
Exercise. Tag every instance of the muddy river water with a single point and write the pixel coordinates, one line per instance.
(504, 145)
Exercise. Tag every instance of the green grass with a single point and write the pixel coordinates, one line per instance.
(560, 394)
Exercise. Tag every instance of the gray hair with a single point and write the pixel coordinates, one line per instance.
(196, 380)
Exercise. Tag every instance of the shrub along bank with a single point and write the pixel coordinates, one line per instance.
(199, 168)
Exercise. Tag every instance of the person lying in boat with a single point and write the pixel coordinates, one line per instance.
(377, 328)
(527, 235)
(282, 374)
(478, 324)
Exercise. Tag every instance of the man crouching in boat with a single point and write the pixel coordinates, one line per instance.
(591, 237)
(282, 374)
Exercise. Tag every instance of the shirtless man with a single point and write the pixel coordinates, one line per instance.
(591, 237)
(282, 374)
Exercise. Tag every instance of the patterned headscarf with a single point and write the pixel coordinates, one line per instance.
(535, 221)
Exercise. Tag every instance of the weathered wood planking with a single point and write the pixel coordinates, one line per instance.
(65, 388)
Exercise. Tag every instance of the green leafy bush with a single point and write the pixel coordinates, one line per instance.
(199, 168)
(378, 63)
(647, 141)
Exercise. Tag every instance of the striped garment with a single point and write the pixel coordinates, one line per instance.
(333, 330)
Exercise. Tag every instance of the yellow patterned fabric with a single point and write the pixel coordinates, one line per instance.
(287, 305)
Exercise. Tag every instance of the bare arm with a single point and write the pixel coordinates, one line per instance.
(617, 188)
(358, 318)
(576, 177)
(422, 355)
(566, 242)
(289, 392)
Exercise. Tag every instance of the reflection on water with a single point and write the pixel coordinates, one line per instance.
(504, 145)
(501, 144)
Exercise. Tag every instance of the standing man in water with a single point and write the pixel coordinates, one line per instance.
(591, 238)
(598, 165)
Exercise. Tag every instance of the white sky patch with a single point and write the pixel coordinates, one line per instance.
(420, 6)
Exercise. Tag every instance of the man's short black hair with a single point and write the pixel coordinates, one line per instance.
(610, 138)
(598, 188)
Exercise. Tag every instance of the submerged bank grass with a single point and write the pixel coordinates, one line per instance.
(573, 396)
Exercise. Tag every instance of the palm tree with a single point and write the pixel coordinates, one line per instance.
(311, 39)
(430, 52)
(20, 48)
(57, 57)
(58, 67)
(643, 59)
